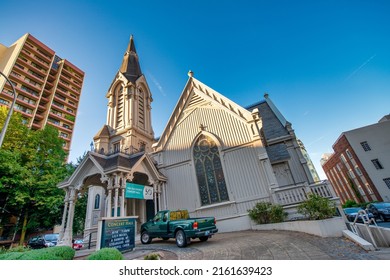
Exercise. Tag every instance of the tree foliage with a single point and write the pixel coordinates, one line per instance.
(32, 163)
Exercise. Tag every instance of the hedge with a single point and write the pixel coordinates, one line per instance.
(106, 254)
(52, 253)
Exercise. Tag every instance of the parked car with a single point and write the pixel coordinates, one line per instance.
(352, 212)
(43, 241)
(177, 224)
(78, 244)
(380, 210)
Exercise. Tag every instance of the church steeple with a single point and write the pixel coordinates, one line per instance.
(130, 67)
(129, 125)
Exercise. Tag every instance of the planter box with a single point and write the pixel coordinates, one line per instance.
(325, 228)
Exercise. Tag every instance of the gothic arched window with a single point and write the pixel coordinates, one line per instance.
(209, 172)
(119, 105)
(141, 109)
(97, 201)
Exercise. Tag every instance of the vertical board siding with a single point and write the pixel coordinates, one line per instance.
(181, 188)
(217, 121)
(243, 174)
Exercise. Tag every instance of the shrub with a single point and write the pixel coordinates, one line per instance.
(317, 207)
(106, 254)
(52, 253)
(152, 257)
(350, 203)
(265, 212)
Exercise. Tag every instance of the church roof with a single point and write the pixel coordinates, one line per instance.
(130, 67)
(103, 132)
(117, 161)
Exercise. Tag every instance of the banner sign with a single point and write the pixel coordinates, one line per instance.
(138, 191)
(118, 233)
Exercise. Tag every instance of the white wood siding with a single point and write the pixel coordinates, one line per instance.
(230, 129)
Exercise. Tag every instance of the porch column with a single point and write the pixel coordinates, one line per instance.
(67, 240)
(159, 195)
(109, 197)
(116, 187)
(66, 203)
(123, 188)
(155, 190)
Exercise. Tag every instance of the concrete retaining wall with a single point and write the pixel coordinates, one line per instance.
(325, 228)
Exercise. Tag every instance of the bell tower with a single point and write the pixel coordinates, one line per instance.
(128, 128)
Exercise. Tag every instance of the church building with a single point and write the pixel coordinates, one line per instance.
(214, 158)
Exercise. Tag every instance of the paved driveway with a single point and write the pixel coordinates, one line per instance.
(260, 245)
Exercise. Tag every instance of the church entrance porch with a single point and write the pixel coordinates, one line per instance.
(118, 185)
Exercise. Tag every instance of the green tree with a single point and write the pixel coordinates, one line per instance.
(32, 163)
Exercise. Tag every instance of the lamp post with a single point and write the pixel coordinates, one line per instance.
(4, 129)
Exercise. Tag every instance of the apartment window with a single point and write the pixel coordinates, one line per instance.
(5, 102)
(358, 171)
(377, 164)
(343, 158)
(361, 191)
(348, 153)
(351, 174)
(369, 188)
(387, 182)
(365, 146)
(64, 135)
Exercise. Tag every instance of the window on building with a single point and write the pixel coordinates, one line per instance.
(387, 182)
(343, 158)
(209, 172)
(349, 154)
(358, 171)
(361, 191)
(141, 109)
(117, 147)
(119, 105)
(365, 146)
(377, 164)
(351, 174)
(97, 201)
(369, 188)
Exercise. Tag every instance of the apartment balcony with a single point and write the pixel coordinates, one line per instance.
(63, 118)
(36, 125)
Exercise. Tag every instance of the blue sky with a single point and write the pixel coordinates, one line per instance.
(325, 64)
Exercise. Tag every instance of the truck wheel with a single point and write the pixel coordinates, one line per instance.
(181, 239)
(145, 238)
(203, 238)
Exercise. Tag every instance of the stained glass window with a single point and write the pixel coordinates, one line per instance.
(209, 172)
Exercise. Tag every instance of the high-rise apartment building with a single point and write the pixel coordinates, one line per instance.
(48, 87)
(359, 168)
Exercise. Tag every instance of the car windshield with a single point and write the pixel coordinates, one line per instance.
(351, 210)
(51, 237)
(382, 205)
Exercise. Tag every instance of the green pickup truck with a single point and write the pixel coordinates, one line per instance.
(177, 224)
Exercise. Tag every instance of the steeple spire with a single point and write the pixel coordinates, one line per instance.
(130, 65)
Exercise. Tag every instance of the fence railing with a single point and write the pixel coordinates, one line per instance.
(299, 193)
